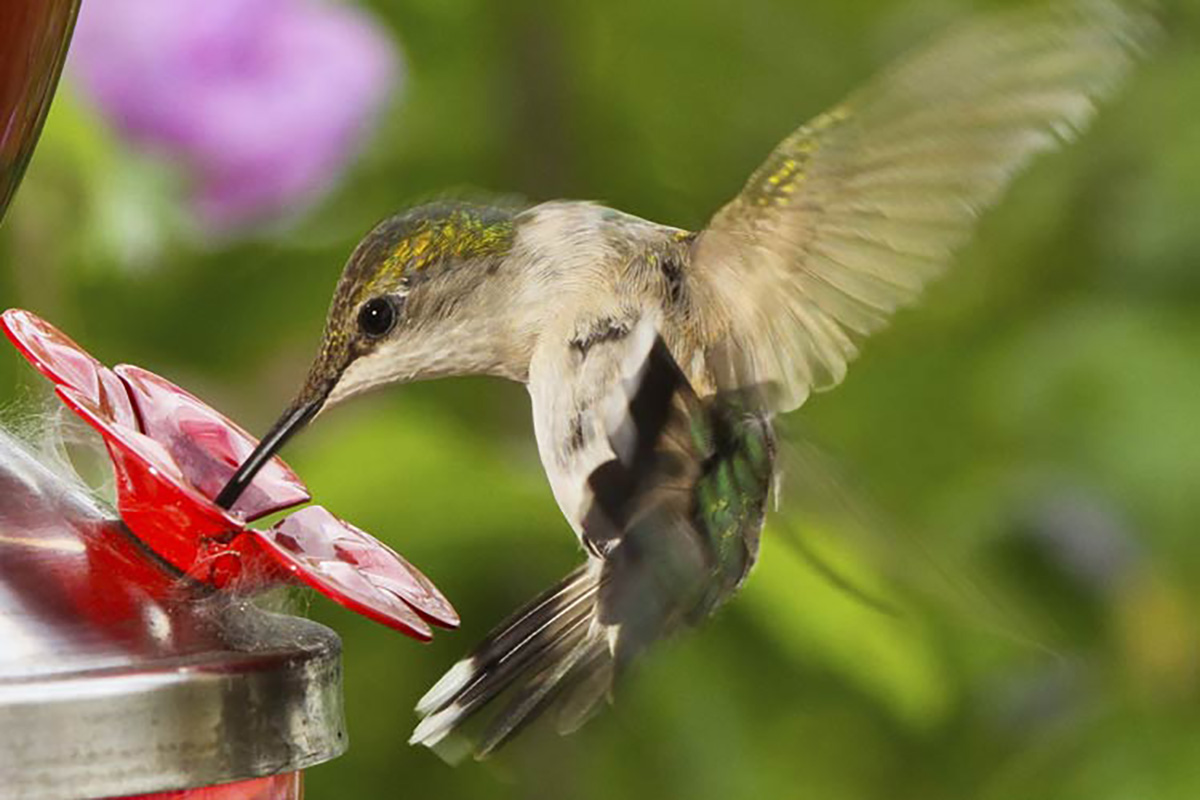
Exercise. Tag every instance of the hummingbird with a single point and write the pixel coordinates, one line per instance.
(657, 359)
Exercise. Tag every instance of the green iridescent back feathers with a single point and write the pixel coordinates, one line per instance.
(731, 493)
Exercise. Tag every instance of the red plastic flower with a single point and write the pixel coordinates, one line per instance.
(172, 454)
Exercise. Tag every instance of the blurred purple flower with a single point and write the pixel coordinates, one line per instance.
(265, 100)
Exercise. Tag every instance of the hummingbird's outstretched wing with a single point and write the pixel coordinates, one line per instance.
(671, 526)
(856, 211)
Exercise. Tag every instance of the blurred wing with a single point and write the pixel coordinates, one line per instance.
(856, 211)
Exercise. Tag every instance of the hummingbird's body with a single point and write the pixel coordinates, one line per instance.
(656, 358)
(607, 272)
(669, 511)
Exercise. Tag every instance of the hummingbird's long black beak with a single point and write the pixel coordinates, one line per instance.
(295, 418)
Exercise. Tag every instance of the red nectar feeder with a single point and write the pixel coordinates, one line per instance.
(172, 454)
(128, 666)
(120, 679)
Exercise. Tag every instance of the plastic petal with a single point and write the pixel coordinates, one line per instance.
(67, 364)
(153, 497)
(207, 446)
(355, 569)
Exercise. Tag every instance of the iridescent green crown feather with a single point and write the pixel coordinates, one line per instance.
(411, 245)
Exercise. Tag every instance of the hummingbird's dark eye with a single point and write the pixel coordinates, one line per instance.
(377, 317)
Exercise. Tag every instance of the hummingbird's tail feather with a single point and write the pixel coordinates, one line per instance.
(552, 647)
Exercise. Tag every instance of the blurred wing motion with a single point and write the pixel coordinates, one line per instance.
(671, 528)
(856, 211)
(845, 223)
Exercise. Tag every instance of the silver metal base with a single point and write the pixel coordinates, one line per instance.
(119, 677)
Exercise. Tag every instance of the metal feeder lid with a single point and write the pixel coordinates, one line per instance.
(119, 677)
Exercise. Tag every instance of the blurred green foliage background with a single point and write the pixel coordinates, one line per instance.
(1014, 466)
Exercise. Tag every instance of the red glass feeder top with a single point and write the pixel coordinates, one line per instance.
(172, 454)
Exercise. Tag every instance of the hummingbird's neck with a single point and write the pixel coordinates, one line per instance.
(560, 262)
(489, 330)
(499, 324)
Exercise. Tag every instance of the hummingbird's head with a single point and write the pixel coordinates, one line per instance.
(412, 303)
